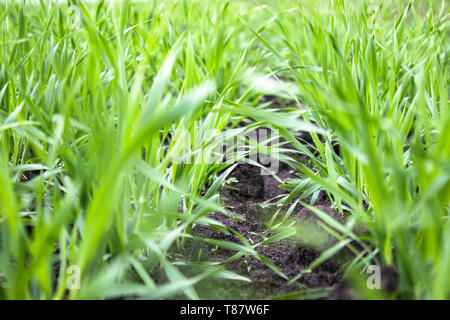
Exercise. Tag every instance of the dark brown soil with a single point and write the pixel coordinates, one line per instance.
(289, 255)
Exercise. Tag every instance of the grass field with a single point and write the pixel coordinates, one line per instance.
(111, 114)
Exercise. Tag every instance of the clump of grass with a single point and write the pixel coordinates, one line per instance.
(376, 79)
(94, 112)
(110, 114)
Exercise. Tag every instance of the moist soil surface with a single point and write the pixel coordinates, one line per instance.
(243, 197)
